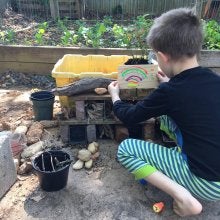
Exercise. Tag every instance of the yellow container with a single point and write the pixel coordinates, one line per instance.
(73, 67)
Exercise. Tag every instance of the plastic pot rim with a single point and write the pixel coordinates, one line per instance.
(52, 96)
(48, 172)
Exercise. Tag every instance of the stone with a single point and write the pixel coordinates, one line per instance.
(34, 133)
(49, 124)
(22, 129)
(25, 168)
(16, 162)
(95, 156)
(100, 91)
(6, 126)
(32, 149)
(1, 127)
(8, 174)
(18, 142)
(84, 155)
(27, 123)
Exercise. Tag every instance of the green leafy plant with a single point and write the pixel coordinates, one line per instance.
(139, 33)
(40, 33)
(95, 34)
(81, 32)
(69, 38)
(62, 24)
(212, 35)
(134, 35)
(121, 35)
(107, 21)
(7, 36)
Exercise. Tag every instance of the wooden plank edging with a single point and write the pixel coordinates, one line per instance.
(40, 60)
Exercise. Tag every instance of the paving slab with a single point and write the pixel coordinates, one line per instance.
(7, 167)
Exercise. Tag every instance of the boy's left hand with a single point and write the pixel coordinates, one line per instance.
(162, 77)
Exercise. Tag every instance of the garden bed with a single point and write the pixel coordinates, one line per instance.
(34, 46)
(16, 29)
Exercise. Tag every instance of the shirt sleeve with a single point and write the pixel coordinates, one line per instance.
(154, 105)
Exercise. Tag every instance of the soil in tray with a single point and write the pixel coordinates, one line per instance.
(134, 61)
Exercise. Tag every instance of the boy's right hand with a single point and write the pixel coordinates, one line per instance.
(113, 89)
(162, 77)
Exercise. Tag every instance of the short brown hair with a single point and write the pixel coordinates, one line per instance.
(177, 32)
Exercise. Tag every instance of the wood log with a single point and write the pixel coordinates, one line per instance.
(82, 86)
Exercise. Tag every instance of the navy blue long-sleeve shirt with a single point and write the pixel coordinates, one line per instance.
(192, 100)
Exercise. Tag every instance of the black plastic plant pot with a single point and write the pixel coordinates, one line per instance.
(52, 168)
(42, 105)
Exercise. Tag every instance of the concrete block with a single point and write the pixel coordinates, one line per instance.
(8, 173)
(64, 133)
(80, 110)
(91, 133)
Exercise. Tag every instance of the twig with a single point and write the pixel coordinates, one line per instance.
(59, 164)
(51, 160)
(43, 166)
(56, 161)
(27, 28)
(48, 132)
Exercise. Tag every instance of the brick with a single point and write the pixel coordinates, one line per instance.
(149, 129)
(8, 174)
(121, 133)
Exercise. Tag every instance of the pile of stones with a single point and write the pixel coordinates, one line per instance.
(10, 79)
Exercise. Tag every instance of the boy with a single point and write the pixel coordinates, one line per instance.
(189, 97)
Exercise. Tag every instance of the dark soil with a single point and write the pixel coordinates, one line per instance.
(136, 61)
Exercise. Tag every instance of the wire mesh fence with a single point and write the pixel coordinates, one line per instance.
(97, 9)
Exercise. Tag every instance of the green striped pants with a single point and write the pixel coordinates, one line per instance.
(142, 158)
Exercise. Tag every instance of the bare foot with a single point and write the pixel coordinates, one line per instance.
(187, 206)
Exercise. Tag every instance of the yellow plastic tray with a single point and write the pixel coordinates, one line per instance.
(72, 67)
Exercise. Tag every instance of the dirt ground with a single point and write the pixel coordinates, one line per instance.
(105, 192)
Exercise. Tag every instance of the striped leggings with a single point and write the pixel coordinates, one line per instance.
(142, 158)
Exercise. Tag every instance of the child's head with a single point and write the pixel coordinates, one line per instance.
(177, 33)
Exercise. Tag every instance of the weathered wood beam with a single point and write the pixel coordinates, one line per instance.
(29, 59)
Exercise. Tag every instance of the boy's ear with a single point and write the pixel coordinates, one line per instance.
(163, 56)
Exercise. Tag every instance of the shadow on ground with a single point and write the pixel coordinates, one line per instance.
(106, 192)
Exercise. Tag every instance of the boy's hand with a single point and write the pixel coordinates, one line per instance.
(113, 89)
(162, 77)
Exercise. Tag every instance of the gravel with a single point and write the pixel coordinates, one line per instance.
(11, 79)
